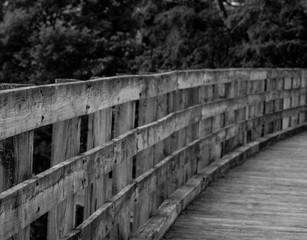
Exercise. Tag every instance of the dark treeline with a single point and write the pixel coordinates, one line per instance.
(41, 40)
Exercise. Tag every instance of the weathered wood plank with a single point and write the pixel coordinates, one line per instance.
(16, 167)
(99, 190)
(156, 227)
(145, 185)
(105, 221)
(218, 168)
(122, 172)
(23, 166)
(65, 144)
(183, 99)
(74, 169)
(76, 174)
(17, 156)
(124, 121)
(253, 201)
(6, 86)
(34, 107)
(6, 164)
(196, 78)
(162, 148)
(286, 102)
(73, 174)
(173, 104)
(146, 114)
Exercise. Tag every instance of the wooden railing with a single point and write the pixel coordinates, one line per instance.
(146, 137)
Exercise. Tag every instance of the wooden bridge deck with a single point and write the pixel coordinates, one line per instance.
(265, 198)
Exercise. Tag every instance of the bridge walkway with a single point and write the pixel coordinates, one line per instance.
(265, 198)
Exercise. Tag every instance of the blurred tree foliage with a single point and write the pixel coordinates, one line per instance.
(219, 33)
(185, 34)
(270, 33)
(47, 39)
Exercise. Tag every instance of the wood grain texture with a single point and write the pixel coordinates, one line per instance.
(146, 114)
(241, 105)
(44, 188)
(44, 191)
(33, 107)
(6, 164)
(162, 148)
(74, 172)
(23, 166)
(167, 213)
(124, 121)
(99, 190)
(5, 86)
(143, 190)
(262, 199)
(16, 161)
(65, 144)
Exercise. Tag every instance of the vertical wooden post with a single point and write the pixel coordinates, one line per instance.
(216, 148)
(16, 161)
(205, 126)
(302, 117)
(6, 164)
(230, 116)
(188, 100)
(161, 147)
(275, 105)
(65, 144)
(183, 99)
(231, 92)
(195, 99)
(174, 105)
(99, 132)
(122, 173)
(268, 106)
(287, 103)
(124, 121)
(16, 164)
(295, 101)
(23, 149)
(146, 114)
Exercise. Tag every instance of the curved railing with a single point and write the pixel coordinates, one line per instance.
(153, 142)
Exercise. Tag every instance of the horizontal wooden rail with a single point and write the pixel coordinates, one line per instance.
(146, 136)
(29, 108)
(75, 172)
(5, 86)
(92, 226)
(156, 227)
